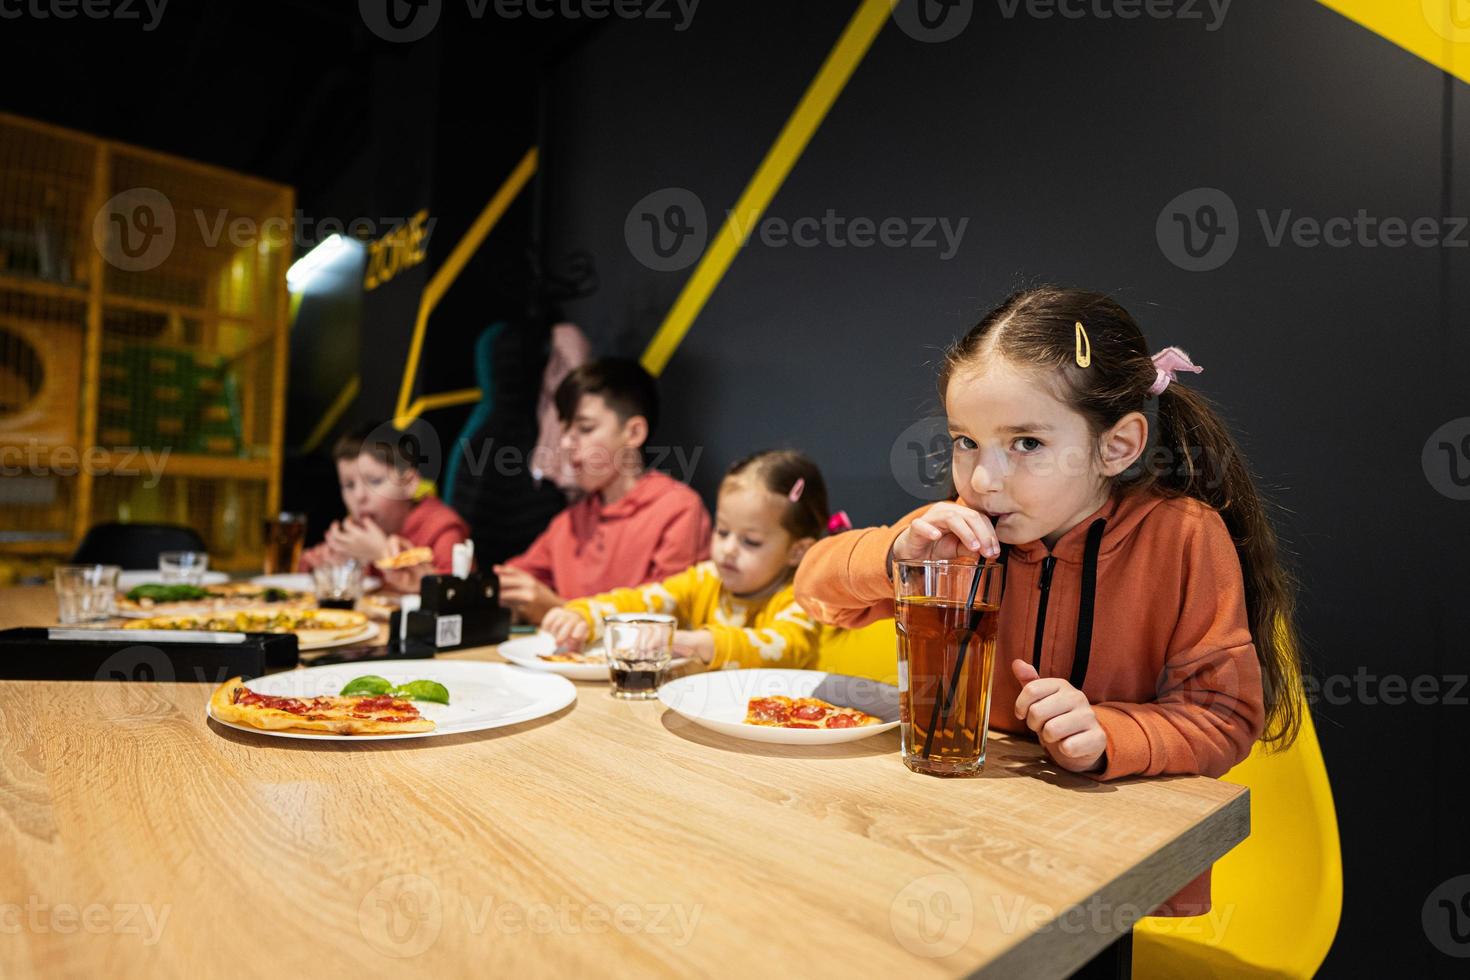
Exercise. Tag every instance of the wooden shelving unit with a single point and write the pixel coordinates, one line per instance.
(147, 389)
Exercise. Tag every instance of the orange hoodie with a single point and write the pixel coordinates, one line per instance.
(1168, 663)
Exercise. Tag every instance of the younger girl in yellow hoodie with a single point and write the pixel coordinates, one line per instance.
(737, 609)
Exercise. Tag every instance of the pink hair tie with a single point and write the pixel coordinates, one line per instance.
(1169, 362)
(839, 522)
(796, 489)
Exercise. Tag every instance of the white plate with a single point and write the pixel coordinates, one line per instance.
(526, 651)
(717, 700)
(301, 582)
(127, 581)
(481, 695)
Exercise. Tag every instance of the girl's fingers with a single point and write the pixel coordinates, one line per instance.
(1062, 726)
(1023, 671)
(927, 530)
(970, 527)
(957, 524)
(1085, 745)
(948, 529)
(1035, 691)
(1059, 702)
(981, 531)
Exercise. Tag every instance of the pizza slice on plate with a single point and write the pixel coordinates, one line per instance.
(575, 657)
(373, 714)
(779, 711)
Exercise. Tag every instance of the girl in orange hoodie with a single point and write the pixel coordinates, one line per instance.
(1146, 625)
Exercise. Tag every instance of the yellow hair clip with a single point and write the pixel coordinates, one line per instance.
(1084, 347)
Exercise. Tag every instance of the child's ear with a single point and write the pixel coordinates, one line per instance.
(1123, 443)
(798, 550)
(408, 484)
(635, 432)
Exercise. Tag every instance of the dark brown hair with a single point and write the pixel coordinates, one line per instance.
(778, 470)
(1191, 453)
(382, 442)
(623, 384)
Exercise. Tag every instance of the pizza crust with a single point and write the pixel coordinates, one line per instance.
(406, 559)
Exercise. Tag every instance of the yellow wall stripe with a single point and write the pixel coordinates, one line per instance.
(1436, 30)
(782, 156)
(427, 403)
(445, 275)
(339, 405)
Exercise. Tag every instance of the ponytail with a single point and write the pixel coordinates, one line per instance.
(1202, 460)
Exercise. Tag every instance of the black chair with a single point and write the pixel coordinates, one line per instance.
(134, 545)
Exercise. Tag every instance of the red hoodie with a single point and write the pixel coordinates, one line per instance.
(658, 528)
(1170, 667)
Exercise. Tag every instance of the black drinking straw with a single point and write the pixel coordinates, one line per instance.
(959, 663)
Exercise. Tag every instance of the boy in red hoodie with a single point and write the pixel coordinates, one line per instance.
(1127, 640)
(633, 525)
(379, 486)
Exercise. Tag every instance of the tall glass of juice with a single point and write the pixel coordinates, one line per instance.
(947, 612)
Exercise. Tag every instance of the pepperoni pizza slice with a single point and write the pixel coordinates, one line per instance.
(778, 711)
(374, 714)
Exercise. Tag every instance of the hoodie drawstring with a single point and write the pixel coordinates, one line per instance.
(1086, 602)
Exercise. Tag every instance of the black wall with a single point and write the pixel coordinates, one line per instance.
(1061, 142)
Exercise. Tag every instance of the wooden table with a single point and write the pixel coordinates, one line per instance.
(141, 840)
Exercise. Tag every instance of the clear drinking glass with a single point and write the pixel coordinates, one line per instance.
(947, 613)
(640, 647)
(85, 593)
(183, 567)
(338, 584)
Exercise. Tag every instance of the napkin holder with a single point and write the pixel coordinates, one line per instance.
(76, 654)
(454, 613)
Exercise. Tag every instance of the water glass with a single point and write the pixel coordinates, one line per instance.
(640, 647)
(338, 584)
(183, 567)
(86, 593)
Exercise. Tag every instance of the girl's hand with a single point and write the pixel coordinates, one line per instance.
(360, 539)
(947, 530)
(696, 644)
(569, 629)
(1062, 719)
(523, 592)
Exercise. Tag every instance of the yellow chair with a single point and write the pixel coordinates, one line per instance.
(871, 651)
(1277, 896)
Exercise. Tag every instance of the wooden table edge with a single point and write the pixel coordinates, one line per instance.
(1215, 835)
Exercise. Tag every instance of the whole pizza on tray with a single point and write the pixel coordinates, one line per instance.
(372, 714)
(311, 626)
(158, 599)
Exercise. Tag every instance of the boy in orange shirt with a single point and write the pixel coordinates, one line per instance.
(634, 525)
